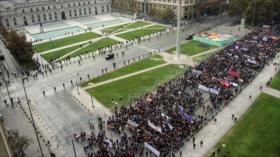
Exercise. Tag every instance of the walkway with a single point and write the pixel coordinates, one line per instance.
(212, 133)
(273, 92)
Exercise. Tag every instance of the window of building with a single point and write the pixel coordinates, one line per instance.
(50, 16)
(31, 10)
(15, 21)
(33, 19)
(37, 9)
(43, 8)
(96, 11)
(80, 11)
(69, 5)
(85, 11)
(44, 16)
(23, 11)
(89, 10)
(102, 9)
(49, 8)
(108, 8)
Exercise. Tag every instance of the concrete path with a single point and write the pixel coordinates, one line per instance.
(212, 133)
(273, 92)
(125, 76)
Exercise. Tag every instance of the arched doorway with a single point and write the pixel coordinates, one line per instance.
(63, 17)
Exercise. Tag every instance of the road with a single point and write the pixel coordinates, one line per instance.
(61, 115)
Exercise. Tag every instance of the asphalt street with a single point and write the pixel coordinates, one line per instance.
(58, 110)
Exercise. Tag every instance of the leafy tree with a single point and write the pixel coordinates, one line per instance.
(19, 47)
(18, 143)
(260, 11)
(167, 15)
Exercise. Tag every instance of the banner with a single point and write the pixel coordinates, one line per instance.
(252, 61)
(224, 83)
(130, 122)
(156, 128)
(197, 72)
(234, 84)
(206, 89)
(234, 73)
(110, 144)
(214, 91)
(152, 149)
(165, 116)
(185, 115)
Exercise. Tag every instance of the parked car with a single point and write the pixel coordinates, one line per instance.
(190, 37)
(109, 56)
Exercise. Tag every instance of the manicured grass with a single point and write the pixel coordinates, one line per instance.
(95, 46)
(257, 133)
(193, 48)
(112, 29)
(140, 65)
(59, 53)
(134, 85)
(64, 41)
(203, 57)
(125, 27)
(137, 24)
(142, 32)
(275, 83)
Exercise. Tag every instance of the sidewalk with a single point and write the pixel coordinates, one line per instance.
(212, 133)
(273, 92)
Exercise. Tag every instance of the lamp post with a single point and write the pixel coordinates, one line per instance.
(91, 100)
(6, 84)
(75, 154)
(178, 30)
(31, 115)
(77, 88)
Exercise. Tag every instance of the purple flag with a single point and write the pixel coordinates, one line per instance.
(185, 115)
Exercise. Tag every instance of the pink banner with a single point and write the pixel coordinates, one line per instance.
(234, 73)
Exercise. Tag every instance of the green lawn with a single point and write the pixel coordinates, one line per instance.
(203, 57)
(257, 134)
(136, 25)
(64, 41)
(114, 28)
(142, 32)
(95, 46)
(125, 27)
(192, 48)
(59, 53)
(275, 83)
(140, 65)
(136, 84)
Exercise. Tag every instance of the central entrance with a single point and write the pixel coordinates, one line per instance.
(63, 17)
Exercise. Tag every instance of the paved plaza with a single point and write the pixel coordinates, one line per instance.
(65, 109)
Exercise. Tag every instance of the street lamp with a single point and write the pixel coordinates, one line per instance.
(77, 88)
(91, 100)
(31, 115)
(178, 30)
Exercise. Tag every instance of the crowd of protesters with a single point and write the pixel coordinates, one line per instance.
(161, 120)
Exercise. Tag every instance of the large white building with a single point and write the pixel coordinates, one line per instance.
(20, 13)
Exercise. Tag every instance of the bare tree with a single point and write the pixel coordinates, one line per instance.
(18, 143)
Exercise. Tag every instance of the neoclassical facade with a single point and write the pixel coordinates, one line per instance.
(28, 12)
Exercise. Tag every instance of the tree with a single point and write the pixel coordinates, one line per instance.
(152, 12)
(260, 11)
(19, 47)
(18, 143)
(167, 15)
